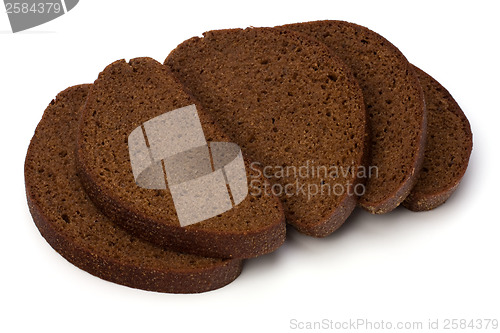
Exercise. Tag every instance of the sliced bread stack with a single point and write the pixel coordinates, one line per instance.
(320, 116)
(395, 104)
(84, 226)
(420, 140)
(76, 229)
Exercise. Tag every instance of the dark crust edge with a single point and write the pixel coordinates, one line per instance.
(233, 245)
(167, 281)
(333, 222)
(348, 203)
(419, 201)
(395, 198)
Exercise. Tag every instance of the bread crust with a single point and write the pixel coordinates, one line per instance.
(186, 239)
(175, 281)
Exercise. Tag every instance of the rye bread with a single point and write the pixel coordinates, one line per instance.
(290, 104)
(447, 151)
(74, 227)
(124, 96)
(395, 104)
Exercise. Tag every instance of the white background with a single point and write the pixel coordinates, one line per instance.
(402, 266)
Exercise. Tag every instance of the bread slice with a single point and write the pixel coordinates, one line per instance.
(73, 226)
(292, 106)
(447, 151)
(395, 105)
(127, 97)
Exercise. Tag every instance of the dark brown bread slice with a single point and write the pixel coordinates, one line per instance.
(395, 105)
(290, 104)
(447, 151)
(73, 226)
(124, 97)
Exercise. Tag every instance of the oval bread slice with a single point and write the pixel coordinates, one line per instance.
(139, 98)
